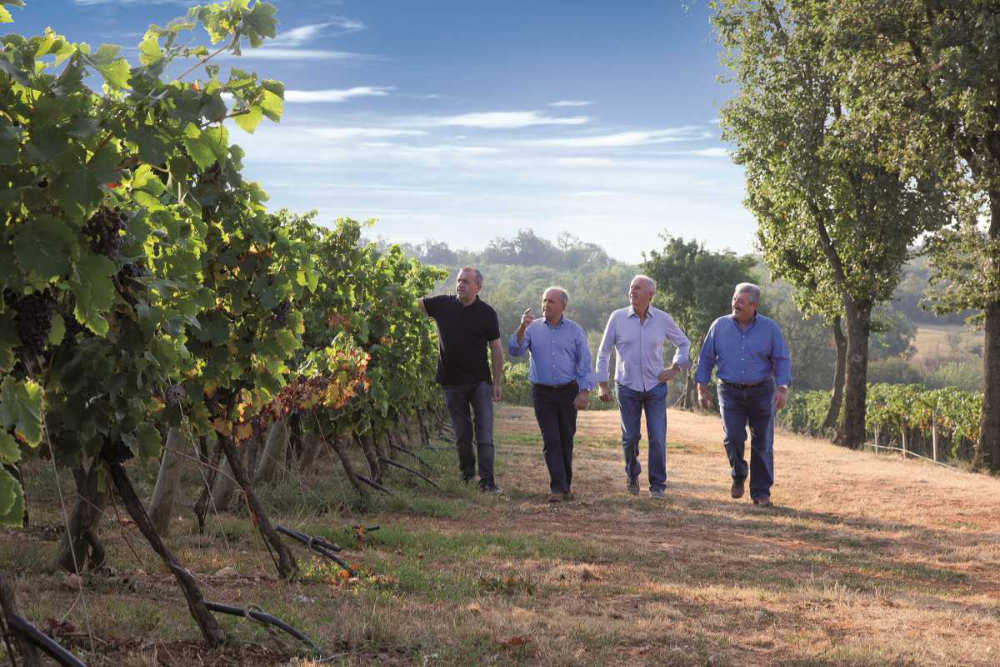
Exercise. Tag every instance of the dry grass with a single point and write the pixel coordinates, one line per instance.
(864, 560)
(946, 342)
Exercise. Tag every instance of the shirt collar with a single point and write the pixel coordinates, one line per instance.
(562, 318)
(632, 313)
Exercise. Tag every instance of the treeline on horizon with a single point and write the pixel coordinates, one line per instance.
(517, 269)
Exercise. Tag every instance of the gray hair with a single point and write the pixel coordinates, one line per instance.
(476, 272)
(649, 281)
(748, 288)
(562, 293)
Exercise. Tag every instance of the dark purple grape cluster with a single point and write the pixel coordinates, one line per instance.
(34, 320)
(281, 311)
(104, 231)
(132, 270)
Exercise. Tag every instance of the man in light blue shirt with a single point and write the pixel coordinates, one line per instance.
(752, 357)
(560, 381)
(637, 334)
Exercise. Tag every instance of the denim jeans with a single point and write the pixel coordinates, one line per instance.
(751, 407)
(459, 398)
(556, 417)
(631, 404)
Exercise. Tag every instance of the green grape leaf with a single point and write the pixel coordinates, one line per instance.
(197, 147)
(249, 120)
(272, 104)
(11, 500)
(217, 139)
(8, 341)
(21, 407)
(9, 451)
(95, 292)
(149, 49)
(145, 442)
(151, 146)
(42, 247)
(10, 143)
(5, 16)
(114, 70)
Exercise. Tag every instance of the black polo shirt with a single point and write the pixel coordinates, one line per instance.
(463, 336)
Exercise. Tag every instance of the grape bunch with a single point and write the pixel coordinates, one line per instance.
(104, 231)
(34, 320)
(281, 311)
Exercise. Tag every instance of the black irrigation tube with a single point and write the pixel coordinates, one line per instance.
(412, 472)
(261, 617)
(318, 545)
(43, 641)
(374, 484)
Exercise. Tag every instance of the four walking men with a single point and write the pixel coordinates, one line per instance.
(747, 348)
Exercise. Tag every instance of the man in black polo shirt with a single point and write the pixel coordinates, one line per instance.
(466, 326)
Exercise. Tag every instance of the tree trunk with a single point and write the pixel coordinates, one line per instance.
(30, 657)
(310, 448)
(210, 629)
(837, 397)
(373, 467)
(988, 447)
(275, 445)
(293, 452)
(287, 567)
(425, 436)
(856, 382)
(223, 487)
(80, 547)
(161, 505)
(348, 467)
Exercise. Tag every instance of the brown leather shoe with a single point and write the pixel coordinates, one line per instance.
(555, 497)
(736, 490)
(763, 501)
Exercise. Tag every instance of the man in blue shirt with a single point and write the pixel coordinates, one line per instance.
(637, 334)
(560, 381)
(751, 356)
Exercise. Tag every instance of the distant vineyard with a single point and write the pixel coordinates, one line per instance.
(942, 424)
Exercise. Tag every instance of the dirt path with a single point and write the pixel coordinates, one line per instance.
(864, 558)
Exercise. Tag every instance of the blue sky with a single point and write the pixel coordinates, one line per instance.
(464, 121)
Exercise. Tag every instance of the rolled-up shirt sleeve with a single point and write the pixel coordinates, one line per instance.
(781, 361)
(604, 351)
(515, 349)
(585, 377)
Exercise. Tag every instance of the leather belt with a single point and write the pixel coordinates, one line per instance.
(741, 385)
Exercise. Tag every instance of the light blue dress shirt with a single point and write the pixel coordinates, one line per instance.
(745, 356)
(559, 353)
(639, 346)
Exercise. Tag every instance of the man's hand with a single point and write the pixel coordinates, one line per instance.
(581, 400)
(497, 392)
(780, 398)
(668, 374)
(526, 318)
(604, 393)
(704, 398)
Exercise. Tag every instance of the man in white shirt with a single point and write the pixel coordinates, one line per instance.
(637, 334)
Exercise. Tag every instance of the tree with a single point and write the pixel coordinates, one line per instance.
(833, 220)
(695, 286)
(929, 69)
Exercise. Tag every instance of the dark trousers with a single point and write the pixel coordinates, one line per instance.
(556, 417)
(753, 407)
(459, 398)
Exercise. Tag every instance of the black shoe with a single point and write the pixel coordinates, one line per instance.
(736, 490)
(467, 478)
(568, 496)
(490, 488)
(633, 485)
(763, 501)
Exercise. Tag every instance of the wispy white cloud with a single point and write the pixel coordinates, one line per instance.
(334, 95)
(341, 133)
(623, 139)
(501, 120)
(585, 162)
(571, 103)
(279, 53)
(304, 34)
(710, 152)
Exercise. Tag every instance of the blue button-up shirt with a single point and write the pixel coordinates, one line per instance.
(745, 356)
(639, 345)
(559, 353)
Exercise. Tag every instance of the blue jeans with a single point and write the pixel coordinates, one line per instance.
(631, 403)
(458, 398)
(751, 407)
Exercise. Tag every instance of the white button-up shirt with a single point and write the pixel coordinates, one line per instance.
(639, 346)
